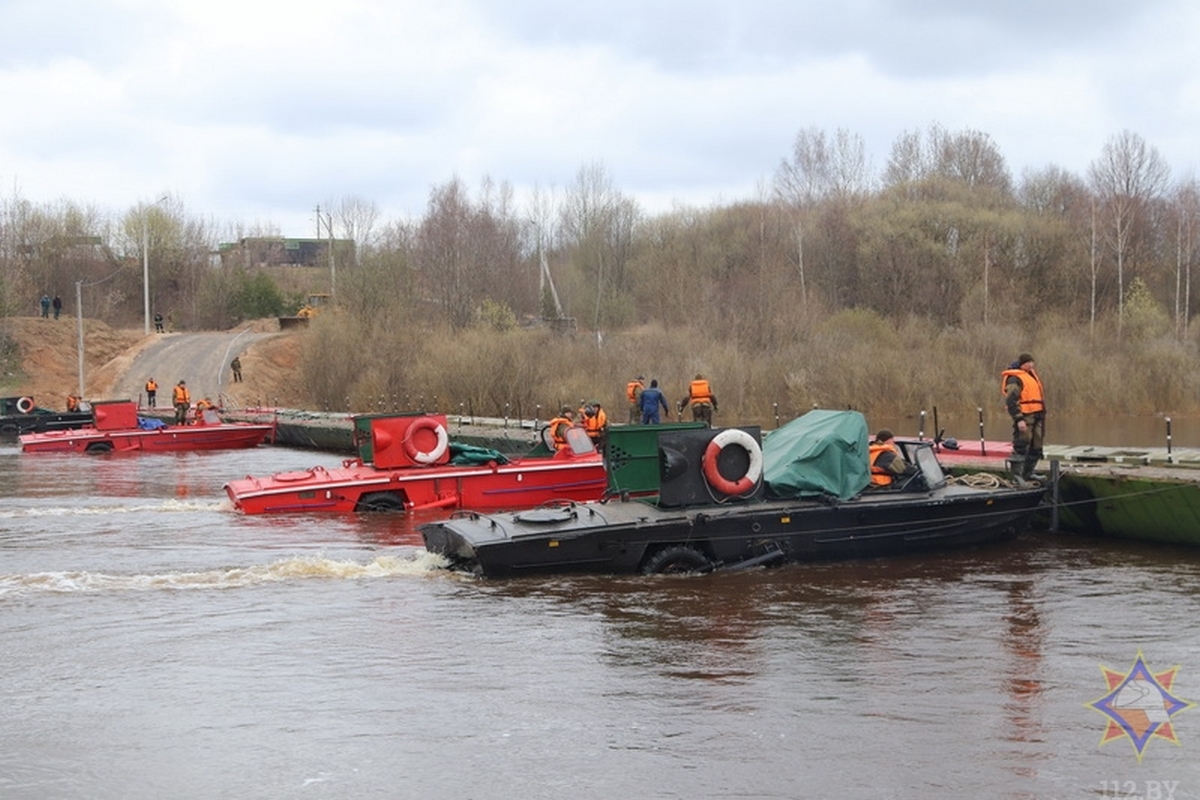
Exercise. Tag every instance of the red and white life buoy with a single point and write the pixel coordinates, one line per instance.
(25, 405)
(712, 474)
(426, 456)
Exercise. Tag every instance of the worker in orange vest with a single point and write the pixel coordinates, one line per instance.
(702, 400)
(885, 459)
(595, 422)
(558, 427)
(203, 405)
(182, 400)
(151, 392)
(1025, 400)
(633, 393)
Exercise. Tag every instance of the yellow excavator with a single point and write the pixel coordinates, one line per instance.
(311, 308)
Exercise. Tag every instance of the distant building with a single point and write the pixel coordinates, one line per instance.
(277, 251)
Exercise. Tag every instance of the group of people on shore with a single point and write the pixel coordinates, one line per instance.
(645, 402)
(646, 406)
(46, 304)
(181, 397)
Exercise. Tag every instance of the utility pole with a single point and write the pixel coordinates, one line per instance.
(328, 217)
(79, 319)
(145, 276)
(146, 262)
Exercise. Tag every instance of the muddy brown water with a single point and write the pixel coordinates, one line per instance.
(153, 643)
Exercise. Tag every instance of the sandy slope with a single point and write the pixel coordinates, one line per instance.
(117, 362)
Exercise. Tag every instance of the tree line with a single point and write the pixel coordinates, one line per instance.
(943, 233)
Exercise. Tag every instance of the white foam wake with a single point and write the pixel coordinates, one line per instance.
(165, 506)
(289, 569)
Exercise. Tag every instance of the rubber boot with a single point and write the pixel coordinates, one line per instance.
(1017, 468)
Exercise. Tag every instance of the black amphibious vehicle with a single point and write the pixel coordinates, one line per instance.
(727, 502)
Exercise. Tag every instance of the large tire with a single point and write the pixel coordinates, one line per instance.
(380, 501)
(676, 560)
(99, 447)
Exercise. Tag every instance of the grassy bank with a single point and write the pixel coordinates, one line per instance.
(852, 359)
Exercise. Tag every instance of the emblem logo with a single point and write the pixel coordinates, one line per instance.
(1139, 705)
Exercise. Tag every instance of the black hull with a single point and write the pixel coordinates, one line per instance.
(12, 425)
(630, 537)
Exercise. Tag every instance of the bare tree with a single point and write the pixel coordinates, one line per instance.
(1127, 177)
(598, 222)
(907, 162)
(540, 220)
(824, 168)
(821, 169)
(1186, 202)
(968, 156)
(971, 157)
(356, 219)
(443, 252)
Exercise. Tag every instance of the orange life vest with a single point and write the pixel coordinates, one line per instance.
(72, 403)
(633, 389)
(699, 392)
(556, 425)
(1032, 399)
(595, 424)
(181, 395)
(879, 475)
(151, 386)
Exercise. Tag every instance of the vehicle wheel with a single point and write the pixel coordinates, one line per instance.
(383, 501)
(676, 560)
(9, 429)
(99, 447)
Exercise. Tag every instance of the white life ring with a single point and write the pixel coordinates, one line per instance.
(712, 474)
(439, 449)
(25, 405)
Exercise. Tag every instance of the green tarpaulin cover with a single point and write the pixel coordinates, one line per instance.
(469, 455)
(819, 454)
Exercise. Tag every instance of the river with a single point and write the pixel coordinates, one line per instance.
(156, 644)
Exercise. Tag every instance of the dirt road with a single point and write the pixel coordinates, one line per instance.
(200, 359)
(119, 361)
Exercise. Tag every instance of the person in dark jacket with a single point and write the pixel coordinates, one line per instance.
(651, 401)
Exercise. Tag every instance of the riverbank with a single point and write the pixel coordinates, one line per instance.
(278, 371)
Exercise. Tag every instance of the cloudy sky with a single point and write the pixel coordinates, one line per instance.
(255, 112)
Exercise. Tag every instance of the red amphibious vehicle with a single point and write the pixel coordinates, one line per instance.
(116, 428)
(408, 463)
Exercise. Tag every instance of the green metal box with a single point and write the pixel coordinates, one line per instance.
(631, 456)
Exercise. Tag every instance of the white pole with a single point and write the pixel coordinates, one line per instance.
(79, 317)
(332, 266)
(146, 275)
